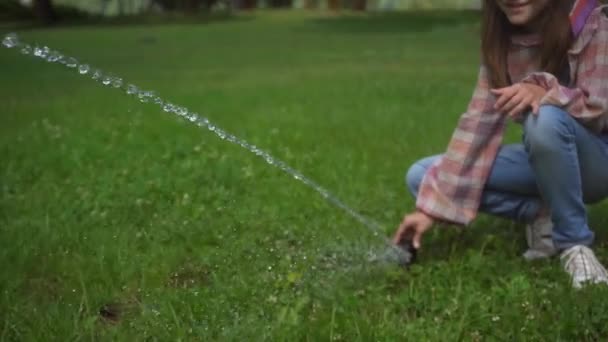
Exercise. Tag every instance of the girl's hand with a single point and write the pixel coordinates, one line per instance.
(518, 98)
(412, 227)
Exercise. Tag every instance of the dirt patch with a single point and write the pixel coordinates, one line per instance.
(116, 311)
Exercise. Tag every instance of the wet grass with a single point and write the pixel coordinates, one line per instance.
(119, 222)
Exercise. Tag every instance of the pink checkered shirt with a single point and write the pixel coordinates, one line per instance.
(451, 189)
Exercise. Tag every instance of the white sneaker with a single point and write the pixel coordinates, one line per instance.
(582, 265)
(540, 239)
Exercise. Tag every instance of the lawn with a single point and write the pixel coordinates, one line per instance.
(121, 222)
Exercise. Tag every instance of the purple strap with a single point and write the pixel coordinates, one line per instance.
(580, 12)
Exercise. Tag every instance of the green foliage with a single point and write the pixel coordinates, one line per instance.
(119, 222)
(13, 10)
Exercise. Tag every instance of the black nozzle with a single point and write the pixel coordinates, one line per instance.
(408, 253)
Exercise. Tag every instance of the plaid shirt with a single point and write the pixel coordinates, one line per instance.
(451, 189)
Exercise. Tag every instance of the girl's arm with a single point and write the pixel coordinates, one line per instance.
(451, 189)
(588, 101)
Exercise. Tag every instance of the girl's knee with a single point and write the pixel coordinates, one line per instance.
(541, 130)
(413, 178)
(416, 172)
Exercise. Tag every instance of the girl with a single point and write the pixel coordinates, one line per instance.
(545, 65)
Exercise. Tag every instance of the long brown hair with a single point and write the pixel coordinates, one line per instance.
(496, 32)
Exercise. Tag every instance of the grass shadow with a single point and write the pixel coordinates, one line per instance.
(490, 236)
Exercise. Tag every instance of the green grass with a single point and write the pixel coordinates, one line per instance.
(109, 205)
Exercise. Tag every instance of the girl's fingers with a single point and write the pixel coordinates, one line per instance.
(535, 107)
(419, 230)
(401, 231)
(416, 240)
(498, 91)
(513, 102)
(502, 100)
(505, 95)
(519, 109)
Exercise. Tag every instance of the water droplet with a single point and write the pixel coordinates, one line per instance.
(26, 50)
(10, 40)
(192, 117)
(53, 57)
(131, 89)
(232, 138)
(116, 82)
(106, 80)
(37, 51)
(145, 96)
(96, 74)
(45, 52)
(181, 111)
(83, 69)
(168, 107)
(71, 62)
(221, 134)
(158, 101)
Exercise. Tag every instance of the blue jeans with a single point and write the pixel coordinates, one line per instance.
(561, 165)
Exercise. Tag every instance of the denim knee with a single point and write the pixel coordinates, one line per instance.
(543, 131)
(414, 177)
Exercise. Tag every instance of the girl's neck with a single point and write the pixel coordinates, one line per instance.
(533, 27)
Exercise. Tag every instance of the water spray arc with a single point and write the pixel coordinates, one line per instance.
(12, 41)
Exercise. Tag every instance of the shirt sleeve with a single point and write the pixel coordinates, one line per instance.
(451, 189)
(587, 101)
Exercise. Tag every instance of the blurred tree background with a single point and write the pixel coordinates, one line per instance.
(51, 11)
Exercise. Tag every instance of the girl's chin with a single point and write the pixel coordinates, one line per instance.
(519, 20)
